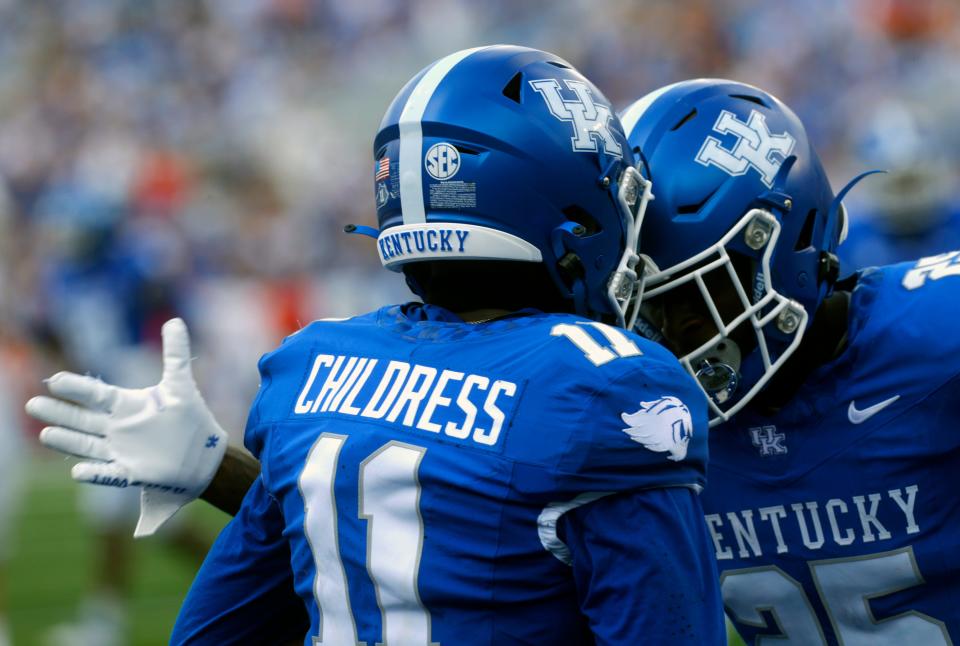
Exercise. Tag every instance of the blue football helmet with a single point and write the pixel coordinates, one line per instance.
(508, 153)
(740, 243)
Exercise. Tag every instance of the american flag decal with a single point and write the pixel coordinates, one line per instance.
(382, 169)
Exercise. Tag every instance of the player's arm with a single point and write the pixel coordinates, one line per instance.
(237, 472)
(644, 568)
(642, 560)
(243, 593)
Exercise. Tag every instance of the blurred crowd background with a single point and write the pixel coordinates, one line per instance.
(199, 158)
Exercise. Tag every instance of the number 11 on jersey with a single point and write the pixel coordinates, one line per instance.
(389, 500)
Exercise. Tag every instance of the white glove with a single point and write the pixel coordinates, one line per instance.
(162, 438)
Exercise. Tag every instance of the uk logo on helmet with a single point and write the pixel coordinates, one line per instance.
(442, 161)
(590, 120)
(755, 148)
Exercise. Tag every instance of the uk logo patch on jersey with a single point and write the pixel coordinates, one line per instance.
(768, 441)
(756, 147)
(663, 425)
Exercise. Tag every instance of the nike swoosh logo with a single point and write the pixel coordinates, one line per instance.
(860, 416)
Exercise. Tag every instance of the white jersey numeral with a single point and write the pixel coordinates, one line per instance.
(845, 587)
(620, 343)
(933, 268)
(320, 525)
(389, 500)
(747, 592)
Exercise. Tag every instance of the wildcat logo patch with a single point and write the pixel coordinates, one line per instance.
(663, 425)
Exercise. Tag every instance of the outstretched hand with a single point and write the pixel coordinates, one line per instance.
(162, 438)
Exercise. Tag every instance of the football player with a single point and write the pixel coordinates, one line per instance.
(831, 504)
(495, 466)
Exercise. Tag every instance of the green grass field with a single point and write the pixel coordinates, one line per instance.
(733, 639)
(53, 563)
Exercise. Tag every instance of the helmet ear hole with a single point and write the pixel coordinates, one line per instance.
(589, 223)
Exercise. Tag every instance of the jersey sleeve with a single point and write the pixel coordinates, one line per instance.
(644, 569)
(243, 593)
(645, 427)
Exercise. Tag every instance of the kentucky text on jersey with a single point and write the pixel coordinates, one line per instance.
(438, 240)
(453, 403)
(842, 522)
(848, 533)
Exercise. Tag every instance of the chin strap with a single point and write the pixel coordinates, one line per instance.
(580, 299)
(361, 229)
(571, 269)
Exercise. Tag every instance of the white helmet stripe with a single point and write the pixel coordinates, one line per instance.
(411, 136)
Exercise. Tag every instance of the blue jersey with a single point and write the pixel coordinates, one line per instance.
(529, 480)
(837, 520)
